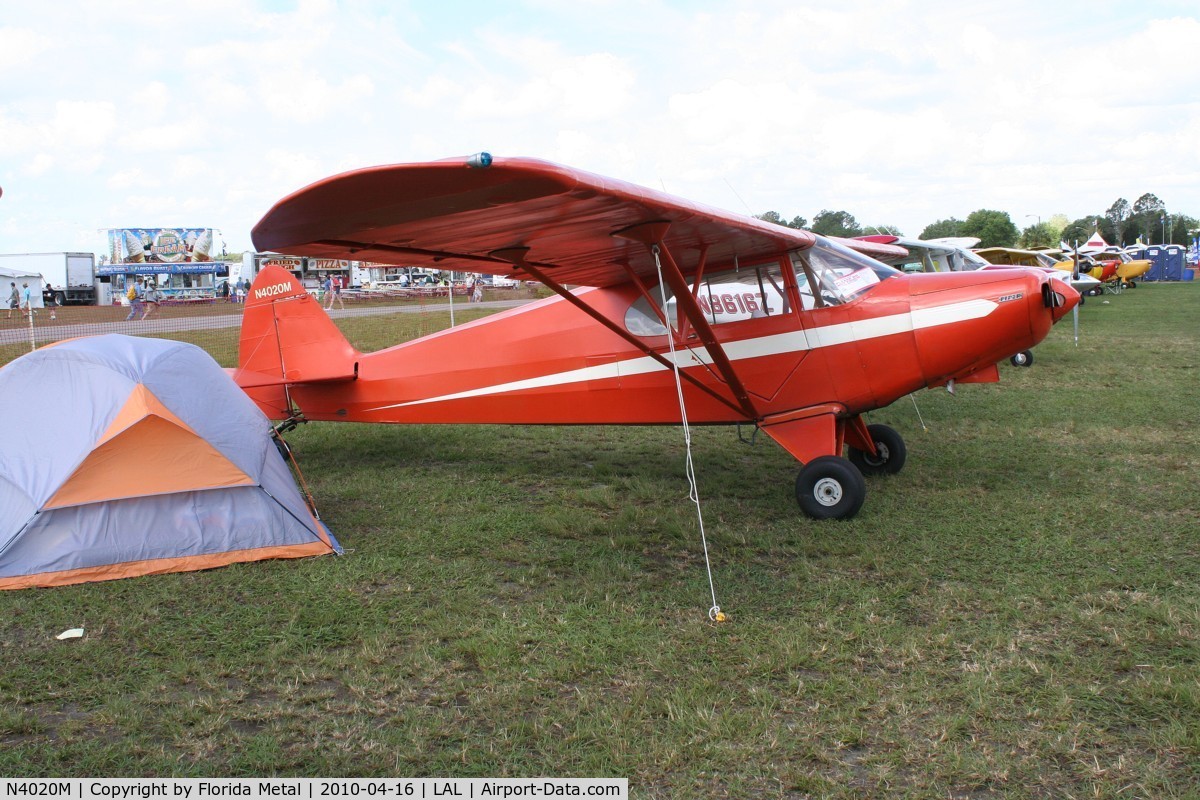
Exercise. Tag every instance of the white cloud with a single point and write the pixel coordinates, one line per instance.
(40, 163)
(18, 46)
(898, 111)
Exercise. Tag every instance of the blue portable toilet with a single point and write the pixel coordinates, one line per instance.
(1173, 261)
(1153, 254)
(1166, 261)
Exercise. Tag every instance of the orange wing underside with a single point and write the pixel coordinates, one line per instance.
(561, 221)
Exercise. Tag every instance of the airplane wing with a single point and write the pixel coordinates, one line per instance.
(1009, 256)
(452, 215)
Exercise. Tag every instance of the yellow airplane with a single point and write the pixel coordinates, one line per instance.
(1109, 263)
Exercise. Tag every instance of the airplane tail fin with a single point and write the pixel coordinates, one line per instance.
(288, 339)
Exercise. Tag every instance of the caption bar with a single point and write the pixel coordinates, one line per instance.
(310, 788)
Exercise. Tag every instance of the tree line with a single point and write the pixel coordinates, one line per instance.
(1122, 223)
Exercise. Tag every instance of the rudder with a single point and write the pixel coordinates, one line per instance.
(287, 338)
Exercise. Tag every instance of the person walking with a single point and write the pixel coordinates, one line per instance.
(150, 299)
(26, 298)
(337, 293)
(14, 299)
(135, 295)
(327, 292)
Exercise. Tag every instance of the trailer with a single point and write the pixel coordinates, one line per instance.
(71, 275)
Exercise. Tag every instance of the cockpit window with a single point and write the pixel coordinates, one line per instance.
(840, 273)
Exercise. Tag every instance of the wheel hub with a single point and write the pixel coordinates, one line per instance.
(828, 492)
(877, 460)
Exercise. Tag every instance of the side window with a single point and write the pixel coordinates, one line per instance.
(725, 297)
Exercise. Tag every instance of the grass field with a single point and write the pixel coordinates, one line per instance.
(1015, 615)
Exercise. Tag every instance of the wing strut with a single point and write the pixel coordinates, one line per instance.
(516, 256)
(652, 235)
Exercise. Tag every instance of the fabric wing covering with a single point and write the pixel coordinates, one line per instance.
(124, 456)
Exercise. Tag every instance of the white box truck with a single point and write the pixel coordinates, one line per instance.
(72, 275)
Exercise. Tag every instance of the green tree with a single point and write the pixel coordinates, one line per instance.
(1082, 229)
(993, 228)
(1039, 235)
(773, 216)
(1118, 215)
(1148, 218)
(1056, 224)
(1079, 231)
(836, 223)
(942, 229)
(1180, 227)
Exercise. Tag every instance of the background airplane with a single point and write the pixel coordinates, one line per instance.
(691, 314)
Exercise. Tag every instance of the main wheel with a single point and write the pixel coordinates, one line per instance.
(889, 445)
(830, 487)
(1022, 359)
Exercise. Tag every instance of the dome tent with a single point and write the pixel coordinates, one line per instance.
(124, 456)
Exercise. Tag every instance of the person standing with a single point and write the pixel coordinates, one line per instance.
(26, 298)
(49, 300)
(14, 299)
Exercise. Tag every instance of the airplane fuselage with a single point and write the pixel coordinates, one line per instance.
(548, 363)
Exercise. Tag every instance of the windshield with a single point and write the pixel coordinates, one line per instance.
(840, 273)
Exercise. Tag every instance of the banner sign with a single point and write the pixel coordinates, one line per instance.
(162, 269)
(159, 245)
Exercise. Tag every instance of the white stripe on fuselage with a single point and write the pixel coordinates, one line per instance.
(790, 342)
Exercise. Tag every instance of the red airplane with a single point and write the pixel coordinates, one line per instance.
(688, 310)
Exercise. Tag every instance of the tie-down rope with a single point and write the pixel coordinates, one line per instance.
(715, 614)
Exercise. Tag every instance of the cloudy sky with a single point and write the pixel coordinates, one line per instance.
(204, 113)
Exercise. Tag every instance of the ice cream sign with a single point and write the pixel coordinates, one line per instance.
(169, 246)
(161, 245)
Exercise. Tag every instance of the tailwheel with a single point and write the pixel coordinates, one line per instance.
(1022, 359)
(830, 487)
(890, 452)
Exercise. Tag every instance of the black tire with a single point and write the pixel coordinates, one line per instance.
(890, 446)
(1022, 359)
(60, 298)
(830, 487)
(1130, 285)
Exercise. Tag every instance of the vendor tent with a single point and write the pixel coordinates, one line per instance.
(20, 277)
(136, 456)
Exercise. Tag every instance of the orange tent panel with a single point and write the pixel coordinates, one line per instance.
(153, 456)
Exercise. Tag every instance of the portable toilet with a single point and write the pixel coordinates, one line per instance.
(1166, 261)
